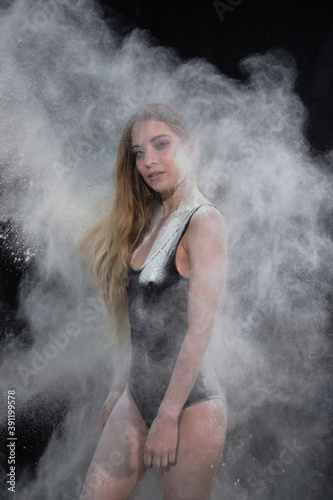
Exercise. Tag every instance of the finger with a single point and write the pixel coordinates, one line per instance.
(172, 457)
(164, 460)
(147, 458)
(156, 461)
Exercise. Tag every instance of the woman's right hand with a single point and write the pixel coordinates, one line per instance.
(108, 406)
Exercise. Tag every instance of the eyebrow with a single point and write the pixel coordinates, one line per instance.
(153, 139)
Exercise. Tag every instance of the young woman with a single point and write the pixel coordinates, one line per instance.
(159, 259)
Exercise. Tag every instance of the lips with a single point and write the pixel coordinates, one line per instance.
(155, 175)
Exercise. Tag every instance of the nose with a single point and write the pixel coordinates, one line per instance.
(150, 158)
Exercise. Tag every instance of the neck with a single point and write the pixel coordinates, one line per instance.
(186, 193)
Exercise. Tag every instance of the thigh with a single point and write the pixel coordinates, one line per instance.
(202, 431)
(117, 464)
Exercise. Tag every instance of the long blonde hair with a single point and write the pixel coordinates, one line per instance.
(109, 245)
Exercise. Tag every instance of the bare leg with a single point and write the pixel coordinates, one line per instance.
(202, 432)
(117, 464)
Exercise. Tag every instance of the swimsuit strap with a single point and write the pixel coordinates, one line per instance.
(190, 215)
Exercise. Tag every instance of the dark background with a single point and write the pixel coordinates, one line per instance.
(204, 29)
(223, 36)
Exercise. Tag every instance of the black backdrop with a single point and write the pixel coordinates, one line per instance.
(224, 36)
(223, 33)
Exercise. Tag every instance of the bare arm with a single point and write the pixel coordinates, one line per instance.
(206, 246)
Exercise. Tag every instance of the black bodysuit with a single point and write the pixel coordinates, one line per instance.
(158, 314)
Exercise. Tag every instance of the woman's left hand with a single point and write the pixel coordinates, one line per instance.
(161, 444)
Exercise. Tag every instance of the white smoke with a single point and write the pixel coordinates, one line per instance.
(67, 86)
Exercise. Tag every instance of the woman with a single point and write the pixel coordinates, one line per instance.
(159, 258)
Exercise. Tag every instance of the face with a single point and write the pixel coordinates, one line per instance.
(160, 155)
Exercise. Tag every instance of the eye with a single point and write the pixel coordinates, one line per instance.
(138, 153)
(161, 144)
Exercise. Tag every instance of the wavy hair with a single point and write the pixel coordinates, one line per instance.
(108, 246)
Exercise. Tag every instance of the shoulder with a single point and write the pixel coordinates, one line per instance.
(206, 232)
(207, 220)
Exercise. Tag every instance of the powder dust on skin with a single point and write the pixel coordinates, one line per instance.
(67, 86)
